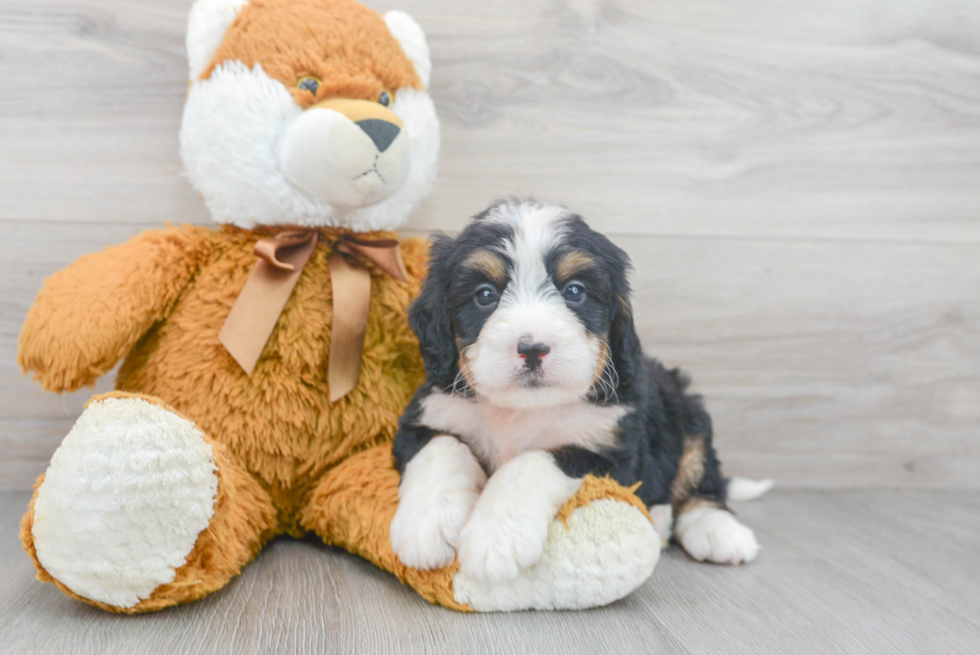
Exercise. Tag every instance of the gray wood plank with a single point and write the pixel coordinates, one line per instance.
(786, 167)
(848, 119)
(824, 364)
(849, 572)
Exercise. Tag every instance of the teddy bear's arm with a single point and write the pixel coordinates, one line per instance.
(89, 315)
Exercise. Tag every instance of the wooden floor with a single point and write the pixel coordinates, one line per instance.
(840, 572)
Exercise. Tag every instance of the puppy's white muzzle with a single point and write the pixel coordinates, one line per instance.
(345, 163)
(555, 367)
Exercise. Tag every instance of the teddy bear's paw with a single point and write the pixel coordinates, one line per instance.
(607, 549)
(714, 535)
(123, 502)
(438, 490)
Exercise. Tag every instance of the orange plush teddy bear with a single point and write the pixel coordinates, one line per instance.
(266, 362)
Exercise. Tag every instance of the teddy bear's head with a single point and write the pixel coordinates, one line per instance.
(308, 112)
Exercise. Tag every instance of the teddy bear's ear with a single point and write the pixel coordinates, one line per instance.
(206, 27)
(412, 40)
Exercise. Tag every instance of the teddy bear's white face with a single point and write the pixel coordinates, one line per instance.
(286, 146)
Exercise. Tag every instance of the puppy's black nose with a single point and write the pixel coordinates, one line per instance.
(532, 353)
(381, 132)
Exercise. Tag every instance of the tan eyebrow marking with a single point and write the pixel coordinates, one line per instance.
(572, 262)
(490, 264)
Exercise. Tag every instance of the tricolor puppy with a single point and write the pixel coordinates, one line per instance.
(536, 378)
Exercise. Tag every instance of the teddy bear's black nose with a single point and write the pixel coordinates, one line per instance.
(381, 132)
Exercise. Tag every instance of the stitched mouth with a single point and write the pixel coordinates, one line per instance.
(373, 169)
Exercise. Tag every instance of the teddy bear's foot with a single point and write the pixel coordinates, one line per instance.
(600, 548)
(135, 512)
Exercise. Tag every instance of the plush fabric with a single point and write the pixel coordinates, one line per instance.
(167, 487)
(347, 46)
(181, 361)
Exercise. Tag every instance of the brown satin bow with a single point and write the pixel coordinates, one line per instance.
(281, 262)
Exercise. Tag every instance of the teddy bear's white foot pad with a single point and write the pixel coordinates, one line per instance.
(122, 504)
(608, 550)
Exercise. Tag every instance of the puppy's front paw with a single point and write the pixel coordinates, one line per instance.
(509, 525)
(714, 535)
(424, 535)
(500, 539)
(439, 488)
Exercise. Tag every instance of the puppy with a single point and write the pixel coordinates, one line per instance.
(536, 378)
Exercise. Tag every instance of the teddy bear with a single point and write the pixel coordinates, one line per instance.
(266, 361)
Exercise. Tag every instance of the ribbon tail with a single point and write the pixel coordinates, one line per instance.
(351, 304)
(256, 311)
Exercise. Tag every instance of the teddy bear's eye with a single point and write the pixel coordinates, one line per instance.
(308, 83)
(384, 99)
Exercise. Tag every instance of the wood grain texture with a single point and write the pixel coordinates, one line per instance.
(854, 119)
(824, 364)
(797, 184)
(848, 572)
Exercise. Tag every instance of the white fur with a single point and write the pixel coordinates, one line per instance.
(207, 24)
(714, 535)
(351, 172)
(412, 40)
(438, 490)
(232, 131)
(607, 550)
(663, 520)
(532, 308)
(123, 502)
(509, 525)
(498, 434)
(748, 489)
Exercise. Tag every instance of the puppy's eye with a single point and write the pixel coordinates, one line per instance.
(384, 99)
(308, 83)
(486, 296)
(574, 292)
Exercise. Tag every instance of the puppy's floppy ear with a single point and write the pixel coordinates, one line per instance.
(429, 315)
(627, 355)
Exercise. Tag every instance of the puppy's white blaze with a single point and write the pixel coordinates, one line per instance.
(438, 490)
(712, 534)
(537, 231)
(532, 308)
(498, 434)
(509, 525)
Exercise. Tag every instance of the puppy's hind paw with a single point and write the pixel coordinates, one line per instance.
(714, 535)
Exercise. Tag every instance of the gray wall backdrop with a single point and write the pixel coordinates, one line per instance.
(798, 184)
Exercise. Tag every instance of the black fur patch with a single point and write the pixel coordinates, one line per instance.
(649, 439)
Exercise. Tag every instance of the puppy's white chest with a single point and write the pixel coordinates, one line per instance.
(498, 434)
